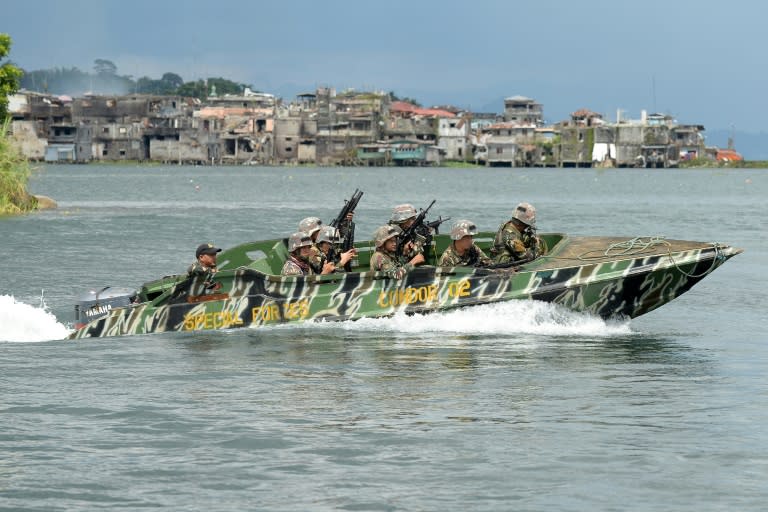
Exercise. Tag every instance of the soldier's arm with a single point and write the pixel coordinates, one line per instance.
(289, 269)
(483, 258)
(445, 259)
(514, 245)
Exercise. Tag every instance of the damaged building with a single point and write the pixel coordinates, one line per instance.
(326, 128)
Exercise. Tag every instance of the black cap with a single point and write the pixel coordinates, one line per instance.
(206, 249)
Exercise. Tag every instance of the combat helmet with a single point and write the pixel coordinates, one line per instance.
(328, 234)
(525, 213)
(462, 228)
(310, 225)
(402, 212)
(298, 240)
(384, 233)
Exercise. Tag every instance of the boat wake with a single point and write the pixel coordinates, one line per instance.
(23, 323)
(517, 317)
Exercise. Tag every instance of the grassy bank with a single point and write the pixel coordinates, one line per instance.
(714, 164)
(14, 174)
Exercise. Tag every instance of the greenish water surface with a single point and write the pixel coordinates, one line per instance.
(507, 407)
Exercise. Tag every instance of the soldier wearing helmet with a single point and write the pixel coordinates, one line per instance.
(326, 242)
(312, 226)
(384, 258)
(463, 252)
(516, 238)
(300, 249)
(403, 216)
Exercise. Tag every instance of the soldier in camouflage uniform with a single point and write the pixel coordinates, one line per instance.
(327, 239)
(300, 249)
(516, 239)
(205, 264)
(311, 226)
(384, 258)
(403, 216)
(463, 252)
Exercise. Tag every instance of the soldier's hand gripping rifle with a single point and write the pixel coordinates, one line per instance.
(529, 235)
(346, 226)
(417, 229)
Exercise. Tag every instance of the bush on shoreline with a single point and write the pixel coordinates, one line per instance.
(707, 163)
(14, 175)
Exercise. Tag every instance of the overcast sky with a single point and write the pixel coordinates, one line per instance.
(703, 61)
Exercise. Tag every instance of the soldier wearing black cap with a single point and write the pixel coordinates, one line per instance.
(206, 262)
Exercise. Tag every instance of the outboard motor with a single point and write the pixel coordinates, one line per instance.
(95, 304)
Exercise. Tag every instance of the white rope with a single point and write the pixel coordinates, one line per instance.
(635, 245)
(719, 257)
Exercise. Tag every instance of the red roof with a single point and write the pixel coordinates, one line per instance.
(403, 107)
(585, 113)
(728, 155)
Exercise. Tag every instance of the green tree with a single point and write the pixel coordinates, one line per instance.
(10, 76)
(172, 80)
(14, 175)
(224, 86)
(395, 97)
(202, 88)
(57, 81)
(104, 67)
(195, 89)
(14, 168)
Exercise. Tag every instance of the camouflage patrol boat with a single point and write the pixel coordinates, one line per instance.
(605, 276)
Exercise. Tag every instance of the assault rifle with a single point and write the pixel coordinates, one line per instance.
(435, 224)
(508, 264)
(530, 232)
(420, 229)
(346, 227)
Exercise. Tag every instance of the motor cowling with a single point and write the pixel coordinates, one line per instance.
(94, 304)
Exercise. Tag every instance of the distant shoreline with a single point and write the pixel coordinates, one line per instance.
(699, 164)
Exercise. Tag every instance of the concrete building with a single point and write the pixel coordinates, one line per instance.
(522, 110)
(453, 138)
(345, 121)
(33, 116)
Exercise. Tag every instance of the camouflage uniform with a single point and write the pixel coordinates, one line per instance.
(198, 269)
(516, 239)
(418, 248)
(512, 245)
(401, 214)
(389, 263)
(473, 257)
(295, 267)
(316, 259)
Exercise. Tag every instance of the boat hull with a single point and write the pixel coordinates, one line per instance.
(604, 276)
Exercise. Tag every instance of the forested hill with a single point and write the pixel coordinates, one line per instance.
(105, 80)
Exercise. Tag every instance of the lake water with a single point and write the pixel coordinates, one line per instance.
(519, 406)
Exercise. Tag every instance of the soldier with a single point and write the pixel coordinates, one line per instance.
(384, 258)
(312, 225)
(516, 239)
(403, 216)
(463, 252)
(327, 238)
(205, 265)
(297, 264)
